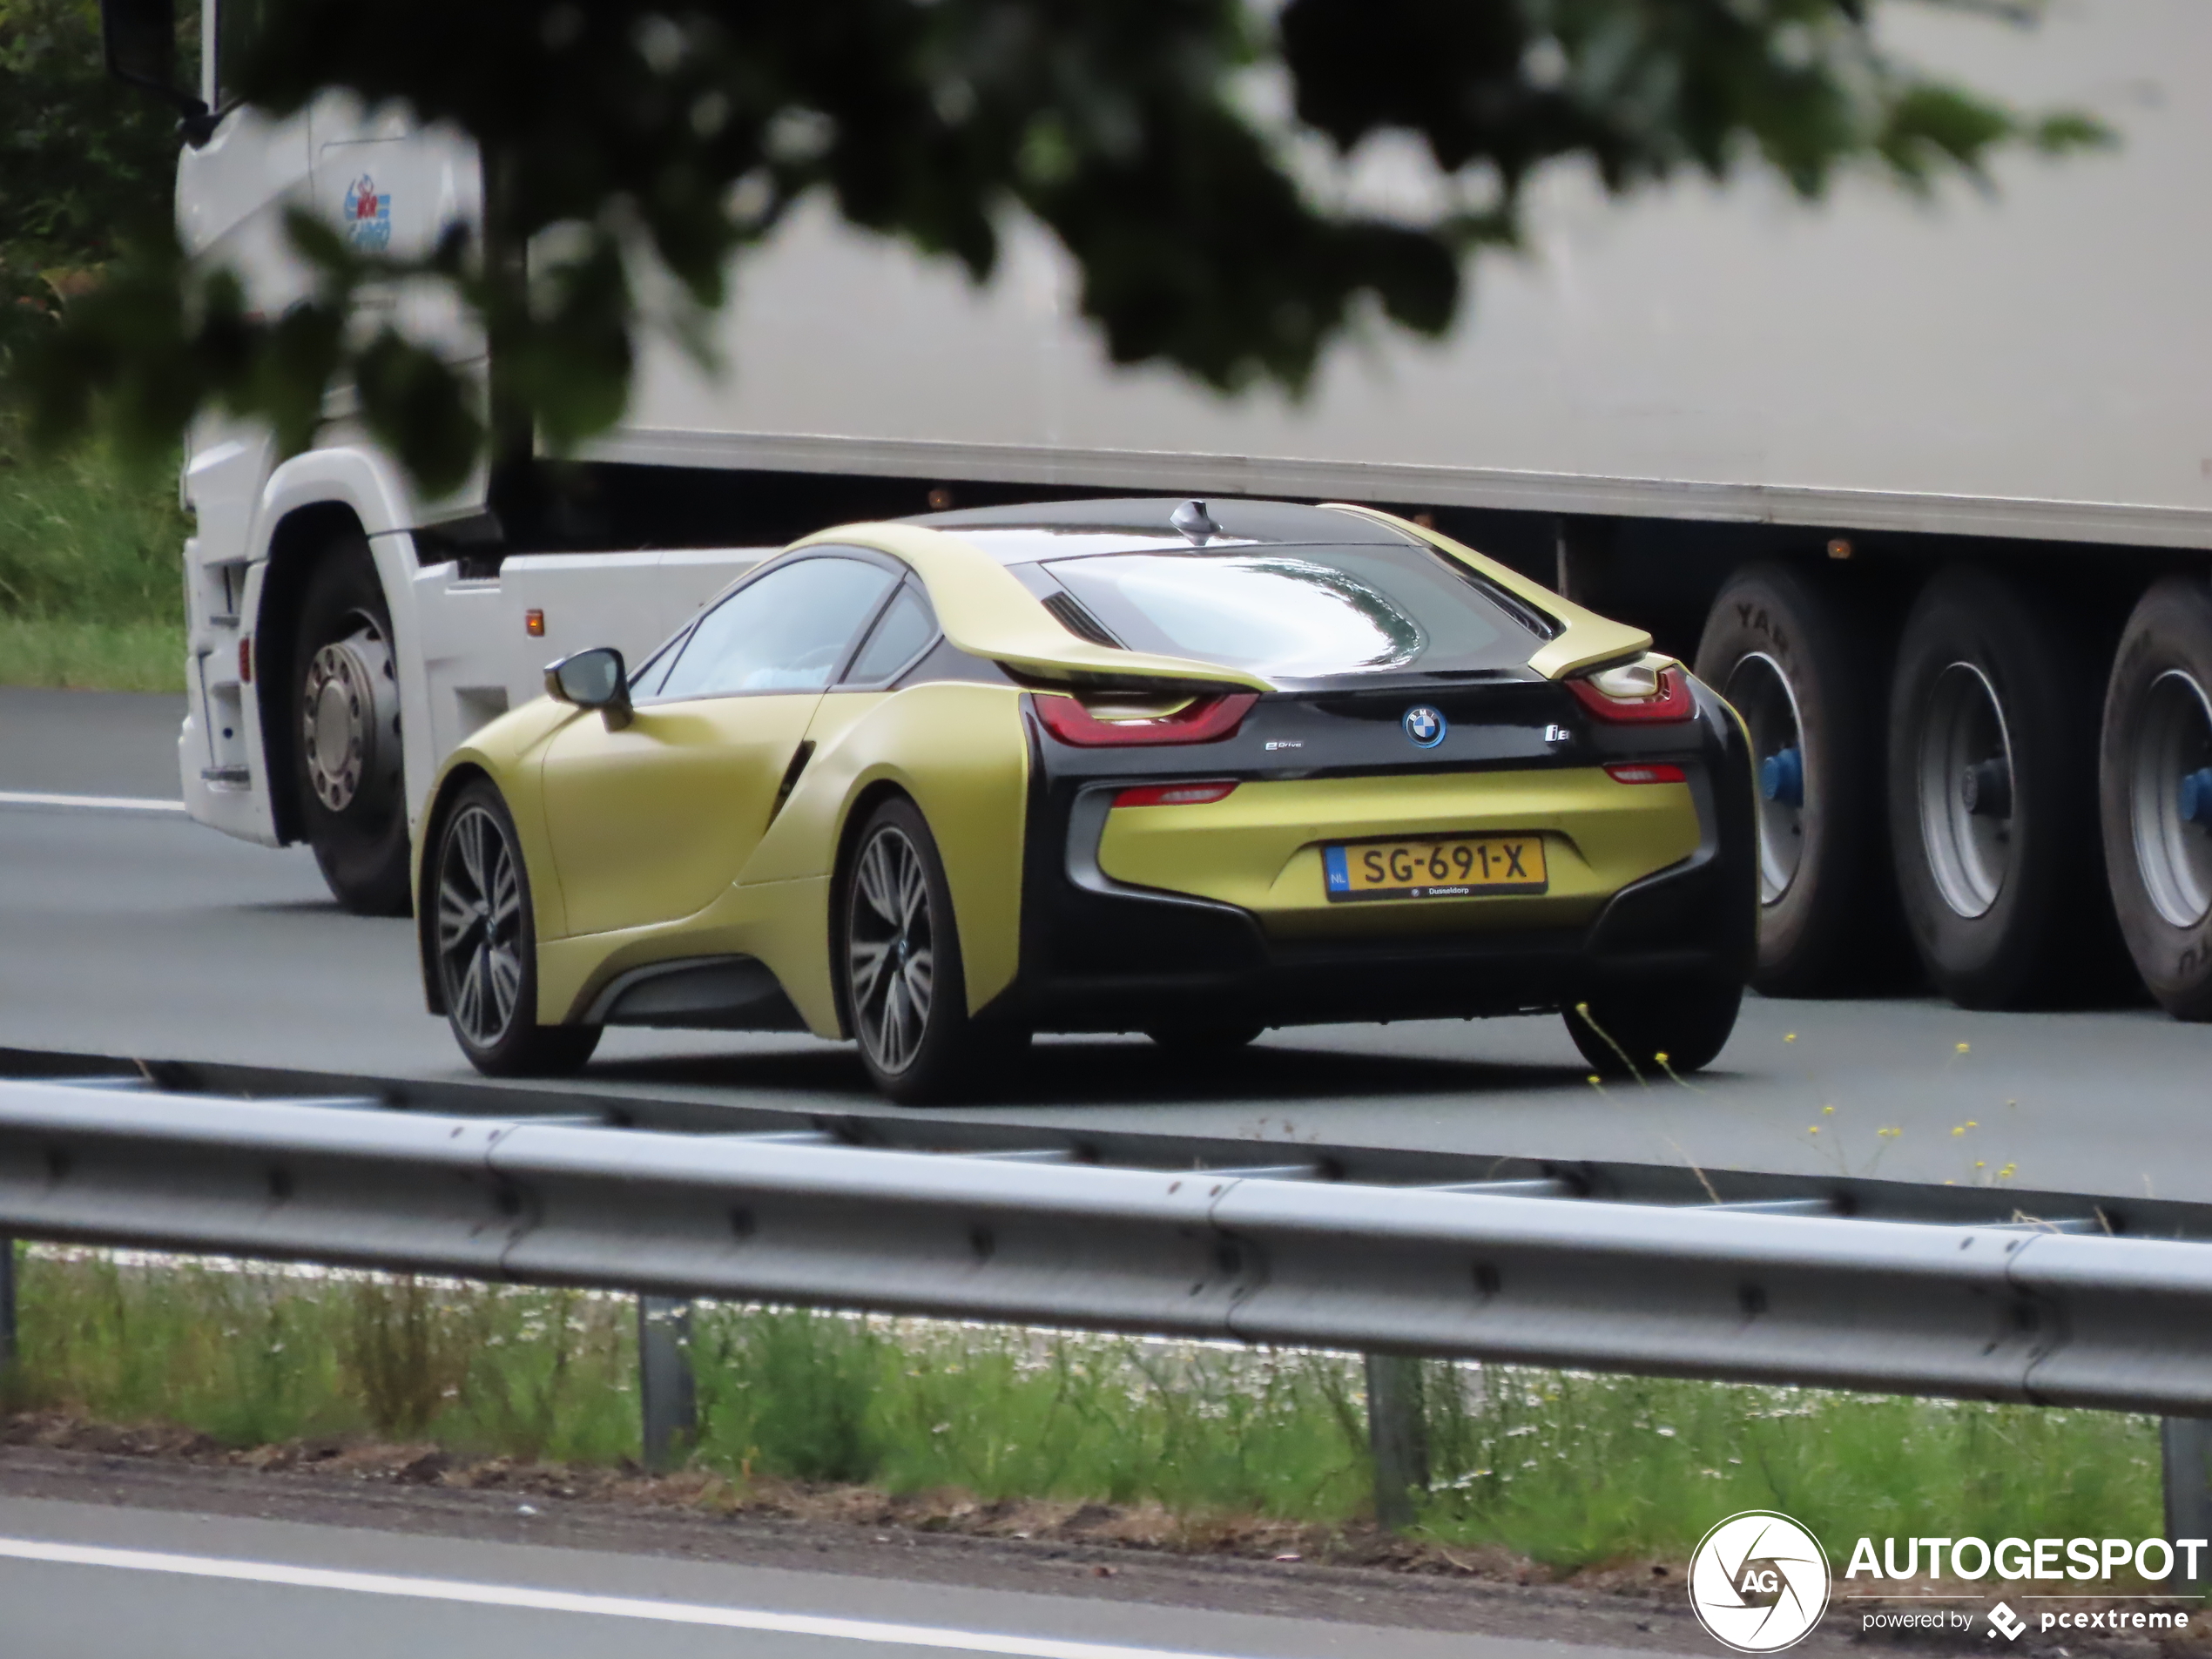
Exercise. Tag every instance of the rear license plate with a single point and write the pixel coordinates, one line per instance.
(1457, 868)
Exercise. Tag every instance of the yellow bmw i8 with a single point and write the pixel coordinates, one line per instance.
(1193, 769)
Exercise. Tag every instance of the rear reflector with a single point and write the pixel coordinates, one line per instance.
(1648, 773)
(1204, 721)
(1671, 702)
(1172, 794)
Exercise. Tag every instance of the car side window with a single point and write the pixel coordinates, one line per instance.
(787, 631)
(906, 626)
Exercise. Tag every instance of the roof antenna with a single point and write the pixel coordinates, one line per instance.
(1192, 520)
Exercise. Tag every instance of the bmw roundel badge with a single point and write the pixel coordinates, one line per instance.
(1424, 725)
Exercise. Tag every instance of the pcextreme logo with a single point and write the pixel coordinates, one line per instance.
(1759, 1583)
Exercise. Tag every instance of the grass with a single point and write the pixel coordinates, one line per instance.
(1570, 1470)
(91, 570)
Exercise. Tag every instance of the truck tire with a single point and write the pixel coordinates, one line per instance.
(2155, 793)
(1802, 667)
(345, 733)
(1992, 745)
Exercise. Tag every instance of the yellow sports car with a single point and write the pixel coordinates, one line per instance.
(1187, 768)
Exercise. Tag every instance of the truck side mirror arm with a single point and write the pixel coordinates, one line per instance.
(138, 40)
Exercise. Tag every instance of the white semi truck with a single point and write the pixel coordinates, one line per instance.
(1925, 487)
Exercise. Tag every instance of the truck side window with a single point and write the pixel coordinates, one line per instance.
(786, 631)
(905, 627)
(239, 27)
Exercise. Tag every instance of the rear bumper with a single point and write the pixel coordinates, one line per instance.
(1098, 954)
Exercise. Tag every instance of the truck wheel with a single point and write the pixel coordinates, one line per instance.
(1992, 747)
(485, 946)
(1649, 1030)
(2155, 792)
(1798, 666)
(346, 734)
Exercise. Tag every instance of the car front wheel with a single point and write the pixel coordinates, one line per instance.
(486, 946)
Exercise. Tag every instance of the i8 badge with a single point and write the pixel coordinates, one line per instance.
(1424, 725)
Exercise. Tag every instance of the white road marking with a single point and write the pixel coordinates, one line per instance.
(91, 803)
(619, 1606)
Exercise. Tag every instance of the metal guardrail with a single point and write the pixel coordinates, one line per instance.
(1883, 1286)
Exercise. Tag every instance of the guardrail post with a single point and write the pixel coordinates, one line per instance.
(2185, 1448)
(7, 1303)
(1397, 1433)
(666, 1396)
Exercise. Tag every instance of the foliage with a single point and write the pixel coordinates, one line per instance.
(81, 164)
(1571, 1469)
(1193, 157)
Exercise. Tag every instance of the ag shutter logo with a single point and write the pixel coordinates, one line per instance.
(1759, 1583)
(1424, 725)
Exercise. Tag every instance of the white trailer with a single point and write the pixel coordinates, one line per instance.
(1897, 472)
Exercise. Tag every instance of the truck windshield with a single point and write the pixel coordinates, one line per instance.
(1302, 613)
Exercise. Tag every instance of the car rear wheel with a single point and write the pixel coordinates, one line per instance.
(486, 946)
(904, 990)
(2155, 792)
(1646, 1030)
(345, 712)
(1800, 666)
(1992, 746)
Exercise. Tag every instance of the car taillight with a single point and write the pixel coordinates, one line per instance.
(1648, 773)
(1204, 720)
(1670, 700)
(1173, 794)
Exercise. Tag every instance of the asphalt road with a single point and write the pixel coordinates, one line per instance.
(141, 934)
(94, 1581)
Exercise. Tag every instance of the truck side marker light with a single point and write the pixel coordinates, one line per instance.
(245, 658)
(534, 623)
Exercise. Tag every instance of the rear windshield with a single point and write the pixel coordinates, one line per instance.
(1304, 613)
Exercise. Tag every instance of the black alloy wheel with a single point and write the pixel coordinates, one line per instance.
(904, 992)
(485, 946)
(2155, 791)
(1800, 660)
(345, 733)
(1992, 816)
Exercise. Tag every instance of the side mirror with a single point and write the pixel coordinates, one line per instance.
(592, 679)
(138, 38)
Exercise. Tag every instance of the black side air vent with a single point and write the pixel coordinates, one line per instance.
(1068, 611)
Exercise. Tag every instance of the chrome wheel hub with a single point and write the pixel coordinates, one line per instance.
(2169, 797)
(1763, 695)
(480, 926)
(350, 712)
(1964, 785)
(890, 961)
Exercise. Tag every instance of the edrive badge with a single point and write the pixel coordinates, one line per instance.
(1424, 725)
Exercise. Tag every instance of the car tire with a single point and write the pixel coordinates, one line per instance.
(2155, 793)
(1205, 1042)
(1648, 1030)
(484, 944)
(1804, 668)
(901, 981)
(1993, 748)
(344, 707)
